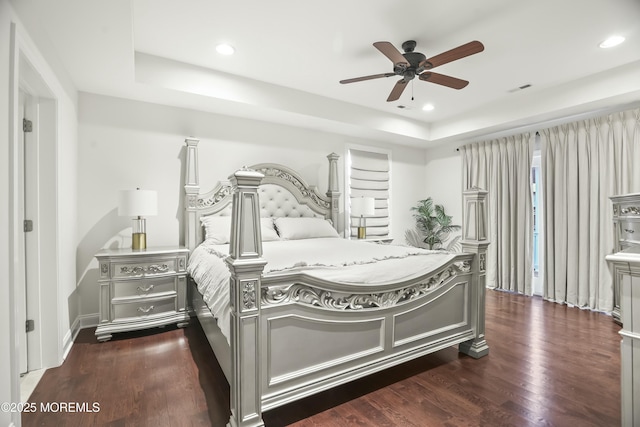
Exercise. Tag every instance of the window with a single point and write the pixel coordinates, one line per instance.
(369, 173)
(538, 232)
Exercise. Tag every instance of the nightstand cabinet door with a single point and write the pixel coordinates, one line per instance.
(141, 289)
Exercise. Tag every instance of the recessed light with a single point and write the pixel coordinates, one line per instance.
(428, 107)
(225, 49)
(612, 41)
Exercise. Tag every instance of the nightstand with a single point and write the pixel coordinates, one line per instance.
(141, 289)
(626, 222)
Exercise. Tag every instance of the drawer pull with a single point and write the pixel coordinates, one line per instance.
(145, 310)
(148, 269)
(144, 289)
(629, 230)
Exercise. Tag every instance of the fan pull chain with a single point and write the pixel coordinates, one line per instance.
(412, 90)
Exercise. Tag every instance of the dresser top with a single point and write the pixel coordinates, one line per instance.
(157, 250)
(626, 197)
(631, 255)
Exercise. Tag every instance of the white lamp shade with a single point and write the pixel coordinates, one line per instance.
(363, 206)
(137, 203)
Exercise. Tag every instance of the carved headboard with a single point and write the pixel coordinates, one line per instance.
(282, 192)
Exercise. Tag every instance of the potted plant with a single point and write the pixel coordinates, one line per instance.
(433, 227)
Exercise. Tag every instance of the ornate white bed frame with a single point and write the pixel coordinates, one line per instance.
(292, 335)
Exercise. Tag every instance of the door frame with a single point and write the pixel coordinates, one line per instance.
(29, 71)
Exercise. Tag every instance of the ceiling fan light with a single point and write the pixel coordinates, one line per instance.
(612, 41)
(428, 107)
(225, 49)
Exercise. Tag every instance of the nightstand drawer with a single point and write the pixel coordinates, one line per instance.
(629, 230)
(143, 287)
(144, 269)
(143, 308)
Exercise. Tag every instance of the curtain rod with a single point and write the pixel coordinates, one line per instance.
(537, 134)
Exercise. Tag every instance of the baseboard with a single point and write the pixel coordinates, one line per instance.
(89, 320)
(67, 341)
(83, 321)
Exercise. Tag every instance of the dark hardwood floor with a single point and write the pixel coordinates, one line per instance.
(548, 365)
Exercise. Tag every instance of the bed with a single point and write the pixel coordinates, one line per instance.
(306, 310)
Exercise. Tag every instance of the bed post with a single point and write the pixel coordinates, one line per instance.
(191, 190)
(474, 240)
(245, 264)
(334, 190)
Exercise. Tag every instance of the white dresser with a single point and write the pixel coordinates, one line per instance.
(141, 289)
(626, 221)
(626, 266)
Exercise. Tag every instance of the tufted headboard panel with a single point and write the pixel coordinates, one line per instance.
(276, 202)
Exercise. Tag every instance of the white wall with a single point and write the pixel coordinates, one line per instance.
(444, 179)
(126, 144)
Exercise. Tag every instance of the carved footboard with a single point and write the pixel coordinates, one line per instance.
(320, 334)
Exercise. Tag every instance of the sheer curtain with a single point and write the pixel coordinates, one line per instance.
(583, 164)
(503, 168)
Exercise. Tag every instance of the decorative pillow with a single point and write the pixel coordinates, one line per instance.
(304, 228)
(217, 229)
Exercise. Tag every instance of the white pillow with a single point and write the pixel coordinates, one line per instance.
(217, 229)
(268, 229)
(304, 228)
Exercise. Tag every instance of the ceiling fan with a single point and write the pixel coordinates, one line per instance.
(410, 64)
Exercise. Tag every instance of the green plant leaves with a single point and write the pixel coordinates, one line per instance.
(433, 222)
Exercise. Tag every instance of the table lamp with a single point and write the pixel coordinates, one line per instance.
(361, 206)
(138, 203)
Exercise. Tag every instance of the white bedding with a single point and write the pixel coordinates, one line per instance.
(337, 260)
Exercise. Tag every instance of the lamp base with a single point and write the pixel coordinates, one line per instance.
(139, 234)
(139, 241)
(362, 232)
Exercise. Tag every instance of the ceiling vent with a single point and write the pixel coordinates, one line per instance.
(523, 87)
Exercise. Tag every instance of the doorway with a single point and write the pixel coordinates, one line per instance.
(35, 284)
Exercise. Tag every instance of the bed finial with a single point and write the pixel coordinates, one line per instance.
(475, 214)
(334, 188)
(191, 190)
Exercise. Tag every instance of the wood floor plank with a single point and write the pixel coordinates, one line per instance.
(549, 365)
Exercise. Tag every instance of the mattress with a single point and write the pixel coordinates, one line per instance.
(337, 260)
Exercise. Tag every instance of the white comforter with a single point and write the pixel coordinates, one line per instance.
(337, 260)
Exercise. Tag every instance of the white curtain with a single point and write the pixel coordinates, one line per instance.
(503, 168)
(583, 164)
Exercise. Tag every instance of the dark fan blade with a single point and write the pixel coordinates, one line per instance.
(453, 54)
(397, 90)
(443, 80)
(391, 52)
(359, 79)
